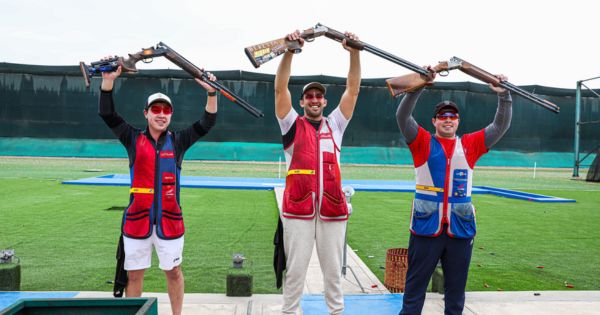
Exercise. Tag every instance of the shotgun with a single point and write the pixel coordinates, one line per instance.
(161, 50)
(412, 81)
(261, 53)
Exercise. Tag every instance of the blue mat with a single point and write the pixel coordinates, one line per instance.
(380, 304)
(270, 183)
(9, 298)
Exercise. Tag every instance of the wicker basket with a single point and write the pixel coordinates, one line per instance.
(396, 264)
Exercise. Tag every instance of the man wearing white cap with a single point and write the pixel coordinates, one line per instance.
(153, 217)
(314, 207)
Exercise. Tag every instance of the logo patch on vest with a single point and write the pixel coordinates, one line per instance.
(459, 185)
(168, 178)
(167, 154)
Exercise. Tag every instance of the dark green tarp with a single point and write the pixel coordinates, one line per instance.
(52, 102)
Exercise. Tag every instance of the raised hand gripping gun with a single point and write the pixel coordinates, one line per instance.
(261, 53)
(161, 50)
(411, 82)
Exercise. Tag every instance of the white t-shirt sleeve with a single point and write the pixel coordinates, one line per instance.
(286, 123)
(337, 120)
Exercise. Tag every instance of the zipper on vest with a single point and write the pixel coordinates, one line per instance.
(156, 174)
(445, 202)
(318, 171)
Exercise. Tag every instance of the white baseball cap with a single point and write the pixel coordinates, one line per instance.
(158, 97)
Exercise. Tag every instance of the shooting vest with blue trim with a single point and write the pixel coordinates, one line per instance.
(313, 183)
(443, 194)
(154, 197)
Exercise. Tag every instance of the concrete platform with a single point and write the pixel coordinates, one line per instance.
(479, 303)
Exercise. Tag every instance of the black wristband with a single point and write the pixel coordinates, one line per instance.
(211, 93)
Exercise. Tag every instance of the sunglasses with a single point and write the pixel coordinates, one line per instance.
(310, 96)
(443, 116)
(167, 110)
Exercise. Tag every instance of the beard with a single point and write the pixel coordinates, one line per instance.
(313, 115)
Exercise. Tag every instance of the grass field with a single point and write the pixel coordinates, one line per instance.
(66, 235)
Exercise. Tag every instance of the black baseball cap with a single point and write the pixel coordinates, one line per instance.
(445, 106)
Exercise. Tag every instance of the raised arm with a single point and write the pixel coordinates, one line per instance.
(106, 107)
(407, 124)
(348, 100)
(211, 100)
(283, 97)
(494, 131)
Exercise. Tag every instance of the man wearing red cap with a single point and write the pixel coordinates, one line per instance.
(314, 207)
(442, 221)
(153, 217)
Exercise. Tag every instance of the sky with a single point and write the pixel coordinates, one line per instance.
(549, 43)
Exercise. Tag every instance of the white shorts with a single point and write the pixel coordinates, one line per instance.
(138, 252)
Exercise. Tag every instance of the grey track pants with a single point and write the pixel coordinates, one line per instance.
(299, 238)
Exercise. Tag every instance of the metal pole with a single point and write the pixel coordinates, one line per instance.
(576, 135)
(344, 261)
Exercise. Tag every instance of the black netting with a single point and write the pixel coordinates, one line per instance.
(52, 102)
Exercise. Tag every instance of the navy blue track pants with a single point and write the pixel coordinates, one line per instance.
(423, 256)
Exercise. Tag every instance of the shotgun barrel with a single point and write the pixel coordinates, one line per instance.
(487, 77)
(338, 36)
(196, 72)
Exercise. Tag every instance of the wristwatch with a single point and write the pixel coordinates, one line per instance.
(211, 93)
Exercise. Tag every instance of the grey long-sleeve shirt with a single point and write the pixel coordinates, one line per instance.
(493, 132)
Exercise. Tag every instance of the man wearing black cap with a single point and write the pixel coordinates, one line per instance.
(153, 217)
(442, 221)
(314, 208)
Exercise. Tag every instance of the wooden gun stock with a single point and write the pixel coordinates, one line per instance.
(261, 53)
(413, 81)
(146, 55)
(339, 37)
(264, 52)
(479, 73)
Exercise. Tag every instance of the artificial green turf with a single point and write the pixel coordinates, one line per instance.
(514, 238)
(66, 237)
